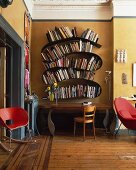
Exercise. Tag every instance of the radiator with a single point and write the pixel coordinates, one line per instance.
(31, 106)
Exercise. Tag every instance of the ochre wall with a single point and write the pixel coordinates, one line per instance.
(39, 30)
(14, 14)
(124, 37)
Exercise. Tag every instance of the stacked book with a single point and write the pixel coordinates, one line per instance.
(61, 33)
(90, 64)
(90, 35)
(65, 74)
(78, 91)
(60, 50)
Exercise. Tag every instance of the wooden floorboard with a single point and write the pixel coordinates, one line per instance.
(65, 152)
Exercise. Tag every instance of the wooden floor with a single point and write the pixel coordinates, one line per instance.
(65, 152)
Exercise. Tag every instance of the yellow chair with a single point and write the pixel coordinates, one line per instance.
(88, 117)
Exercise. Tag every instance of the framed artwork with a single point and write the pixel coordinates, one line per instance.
(134, 74)
(27, 27)
(27, 53)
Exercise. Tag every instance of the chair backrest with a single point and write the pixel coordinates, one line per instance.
(16, 114)
(89, 111)
(123, 104)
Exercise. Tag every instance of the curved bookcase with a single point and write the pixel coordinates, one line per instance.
(70, 62)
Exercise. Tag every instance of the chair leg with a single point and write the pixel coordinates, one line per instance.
(118, 130)
(29, 133)
(84, 131)
(94, 130)
(74, 128)
(2, 133)
(10, 137)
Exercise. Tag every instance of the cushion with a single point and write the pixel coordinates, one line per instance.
(125, 114)
(133, 113)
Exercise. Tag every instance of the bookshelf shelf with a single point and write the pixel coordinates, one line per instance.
(69, 60)
(72, 39)
(78, 60)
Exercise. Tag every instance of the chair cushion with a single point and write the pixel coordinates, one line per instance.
(125, 114)
(133, 113)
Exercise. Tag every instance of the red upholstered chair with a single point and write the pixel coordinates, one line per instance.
(13, 118)
(126, 113)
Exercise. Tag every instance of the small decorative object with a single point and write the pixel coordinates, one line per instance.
(121, 55)
(51, 97)
(108, 82)
(124, 78)
(86, 103)
(52, 91)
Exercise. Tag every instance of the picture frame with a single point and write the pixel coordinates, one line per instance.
(134, 75)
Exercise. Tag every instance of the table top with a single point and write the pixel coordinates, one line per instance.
(69, 105)
(130, 98)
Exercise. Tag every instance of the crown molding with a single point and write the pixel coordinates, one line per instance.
(124, 8)
(70, 2)
(80, 9)
(72, 13)
(29, 4)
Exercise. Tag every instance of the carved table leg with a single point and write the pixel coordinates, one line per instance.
(106, 120)
(51, 125)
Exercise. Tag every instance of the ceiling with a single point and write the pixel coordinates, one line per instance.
(80, 9)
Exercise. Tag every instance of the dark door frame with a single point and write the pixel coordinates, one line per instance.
(15, 48)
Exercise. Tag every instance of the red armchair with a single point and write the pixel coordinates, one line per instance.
(126, 113)
(11, 119)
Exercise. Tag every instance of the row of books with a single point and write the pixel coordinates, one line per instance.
(90, 35)
(65, 74)
(65, 32)
(77, 91)
(59, 50)
(61, 33)
(91, 64)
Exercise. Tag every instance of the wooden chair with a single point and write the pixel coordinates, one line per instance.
(88, 117)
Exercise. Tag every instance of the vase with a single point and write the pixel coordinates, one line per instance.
(51, 97)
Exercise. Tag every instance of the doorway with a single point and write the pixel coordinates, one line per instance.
(11, 66)
(11, 70)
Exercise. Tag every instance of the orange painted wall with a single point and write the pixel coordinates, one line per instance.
(14, 14)
(124, 37)
(39, 30)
